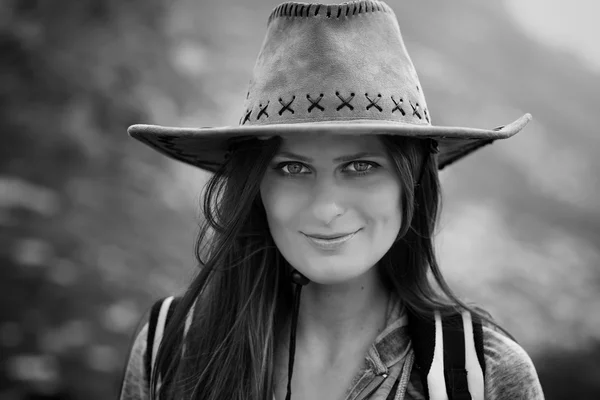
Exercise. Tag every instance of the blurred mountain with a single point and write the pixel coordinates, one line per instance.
(94, 226)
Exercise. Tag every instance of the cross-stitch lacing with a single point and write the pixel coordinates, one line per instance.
(286, 106)
(415, 108)
(397, 105)
(345, 102)
(315, 103)
(247, 117)
(304, 10)
(263, 111)
(373, 102)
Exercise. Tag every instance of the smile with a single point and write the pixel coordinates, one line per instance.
(331, 243)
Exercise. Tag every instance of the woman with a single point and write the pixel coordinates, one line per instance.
(329, 185)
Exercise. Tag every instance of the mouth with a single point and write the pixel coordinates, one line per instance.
(329, 242)
(328, 237)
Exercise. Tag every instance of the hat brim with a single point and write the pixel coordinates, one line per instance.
(205, 148)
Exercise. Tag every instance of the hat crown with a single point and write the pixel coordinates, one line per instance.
(338, 62)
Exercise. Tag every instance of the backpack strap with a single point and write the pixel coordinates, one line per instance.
(474, 357)
(449, 356)
(455, 373)
(160, 313)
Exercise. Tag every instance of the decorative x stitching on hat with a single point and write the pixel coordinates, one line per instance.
(315, 103)
(263, 110)
(286, 106)
(397, 105)
(415, 108)
(345, 101)
(373, 102)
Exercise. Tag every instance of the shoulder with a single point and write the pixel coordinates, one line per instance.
(510, 373)
(138, 348)
(134, 386)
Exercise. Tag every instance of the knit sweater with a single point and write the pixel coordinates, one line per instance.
(510, 373)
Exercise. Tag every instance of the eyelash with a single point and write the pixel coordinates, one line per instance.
(282, 165)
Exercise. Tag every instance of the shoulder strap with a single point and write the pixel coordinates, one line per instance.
(455, 374)
(160, 314)
(449, 355)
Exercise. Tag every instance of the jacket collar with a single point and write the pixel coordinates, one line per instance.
(393, 343)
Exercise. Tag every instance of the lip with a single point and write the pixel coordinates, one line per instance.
(330, 242)
(328, 237)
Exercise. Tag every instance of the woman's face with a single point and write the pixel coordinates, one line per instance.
(318, 188)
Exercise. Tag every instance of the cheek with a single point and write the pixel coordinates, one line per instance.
(383, 205)
(281, 203)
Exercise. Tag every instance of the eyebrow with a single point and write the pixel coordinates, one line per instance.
(348, 157)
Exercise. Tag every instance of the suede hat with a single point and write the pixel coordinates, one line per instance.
(334, 69)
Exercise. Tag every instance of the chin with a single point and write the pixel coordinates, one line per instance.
(327, 273)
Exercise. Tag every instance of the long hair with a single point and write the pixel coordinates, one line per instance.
(242, 293)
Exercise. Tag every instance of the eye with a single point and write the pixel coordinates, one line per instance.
(292, 168)
(361, 167)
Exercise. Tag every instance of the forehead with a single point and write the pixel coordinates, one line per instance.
(323, 144)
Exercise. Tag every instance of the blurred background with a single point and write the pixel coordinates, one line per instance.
(94, 227)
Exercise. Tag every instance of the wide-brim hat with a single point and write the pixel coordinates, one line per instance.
(332, 69)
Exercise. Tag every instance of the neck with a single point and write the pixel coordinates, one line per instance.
(334, 318)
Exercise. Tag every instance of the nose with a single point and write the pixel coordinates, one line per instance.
(327, 202)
